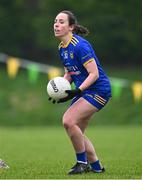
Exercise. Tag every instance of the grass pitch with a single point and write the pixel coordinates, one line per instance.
(46, 153)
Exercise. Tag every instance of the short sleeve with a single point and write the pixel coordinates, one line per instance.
(84, 53)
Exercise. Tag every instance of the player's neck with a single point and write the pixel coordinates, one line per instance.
(66, 39)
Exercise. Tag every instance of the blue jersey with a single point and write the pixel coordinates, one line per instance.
(75, 55)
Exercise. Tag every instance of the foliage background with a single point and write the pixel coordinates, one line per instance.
(32, 142)
(26, 29)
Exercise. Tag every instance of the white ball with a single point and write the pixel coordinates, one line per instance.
(56, 88)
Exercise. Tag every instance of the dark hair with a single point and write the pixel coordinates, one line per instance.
(78, 29)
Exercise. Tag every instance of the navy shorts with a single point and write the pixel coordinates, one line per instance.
(99, 100)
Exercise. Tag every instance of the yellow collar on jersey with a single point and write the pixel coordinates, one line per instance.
(72, 40)
(65, 45)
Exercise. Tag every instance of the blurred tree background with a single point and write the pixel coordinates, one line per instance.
(26, 32)
(26, 29)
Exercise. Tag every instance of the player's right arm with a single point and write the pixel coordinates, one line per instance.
(67, 75)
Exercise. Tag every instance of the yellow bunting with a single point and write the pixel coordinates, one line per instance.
(137, 91)
(12, 67)
(54, 72)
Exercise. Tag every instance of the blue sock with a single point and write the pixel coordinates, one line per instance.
(81, 157)
(96, 165)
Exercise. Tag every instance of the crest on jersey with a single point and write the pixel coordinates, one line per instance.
(71, 55)
(66, 55)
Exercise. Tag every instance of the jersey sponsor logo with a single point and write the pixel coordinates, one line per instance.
(73, 70)
(74, 73)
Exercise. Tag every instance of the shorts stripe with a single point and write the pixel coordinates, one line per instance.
(93, 98)
(99, 101)
(100, 98)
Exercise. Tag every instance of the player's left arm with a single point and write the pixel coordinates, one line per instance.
(92, 69)
(93, 72)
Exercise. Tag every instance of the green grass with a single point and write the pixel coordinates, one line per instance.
(35, 147)
(46, 152)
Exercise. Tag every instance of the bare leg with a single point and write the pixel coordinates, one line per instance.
(75, 121)
(90, 150)
(77, 138)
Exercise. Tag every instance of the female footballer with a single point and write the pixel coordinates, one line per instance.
(92, 91)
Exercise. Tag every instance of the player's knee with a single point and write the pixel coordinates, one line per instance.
(67, 123)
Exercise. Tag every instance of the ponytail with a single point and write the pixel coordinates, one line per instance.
(81, 30)
(78, 29)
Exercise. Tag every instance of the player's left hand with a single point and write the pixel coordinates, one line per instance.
(52, 100)
(71, 94)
